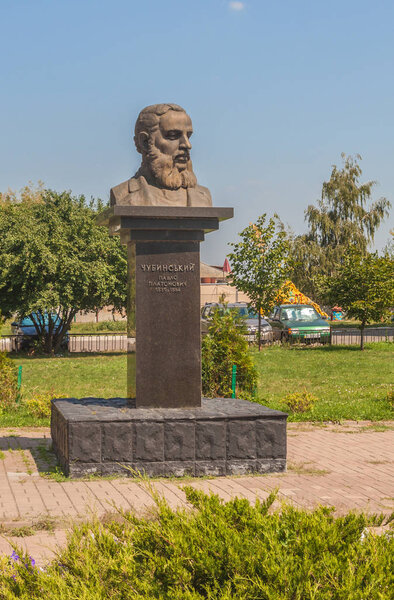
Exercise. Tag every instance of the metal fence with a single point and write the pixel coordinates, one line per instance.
(344, 337)
(113, 342)
(348, 337)
(10, 343)
(117, 342)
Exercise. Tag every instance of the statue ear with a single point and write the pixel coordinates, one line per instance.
(142, 142)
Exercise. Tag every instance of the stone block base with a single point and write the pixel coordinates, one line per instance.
(223, 437)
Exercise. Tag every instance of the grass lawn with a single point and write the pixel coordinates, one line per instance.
(348, 383)
(73, 375)
(76, 375)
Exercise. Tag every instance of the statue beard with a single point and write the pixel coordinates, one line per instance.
(165, 173)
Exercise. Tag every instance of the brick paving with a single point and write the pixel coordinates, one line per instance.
(347, 466)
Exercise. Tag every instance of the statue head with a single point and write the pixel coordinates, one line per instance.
(162, 136)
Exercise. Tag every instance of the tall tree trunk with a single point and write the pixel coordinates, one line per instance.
(67, 318)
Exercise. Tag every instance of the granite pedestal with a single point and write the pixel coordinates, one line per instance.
(222, 437)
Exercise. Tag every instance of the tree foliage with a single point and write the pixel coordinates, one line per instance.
(225, 345)
(55, 259)
(363, 286)
(341, 220)
(260, 263)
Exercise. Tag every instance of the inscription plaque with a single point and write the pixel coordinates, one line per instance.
(168, 324)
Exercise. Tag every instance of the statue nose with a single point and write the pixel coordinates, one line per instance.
(185, 142)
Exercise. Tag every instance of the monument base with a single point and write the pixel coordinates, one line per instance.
(222, 437)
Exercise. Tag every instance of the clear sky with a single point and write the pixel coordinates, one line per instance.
(276, 89)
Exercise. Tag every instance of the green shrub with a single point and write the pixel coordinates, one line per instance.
(223, 347)
(40, 405)
(300, 402)
(218, 551)
(8, 383)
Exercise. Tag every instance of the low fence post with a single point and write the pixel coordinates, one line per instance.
(233, 380)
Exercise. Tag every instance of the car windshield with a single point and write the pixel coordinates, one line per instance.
(242, 311)
(42, 319)
(300, 313)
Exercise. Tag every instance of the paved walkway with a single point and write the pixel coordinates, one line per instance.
(348, 466)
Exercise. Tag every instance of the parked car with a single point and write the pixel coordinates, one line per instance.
(28, 333)
(299, 322)
(250, 316)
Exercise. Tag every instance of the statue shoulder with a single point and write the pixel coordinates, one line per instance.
(120, 193)
(199, 196)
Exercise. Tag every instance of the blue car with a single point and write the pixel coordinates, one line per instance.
(25, 328)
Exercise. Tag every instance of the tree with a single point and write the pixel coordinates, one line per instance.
(363, 286)
(225, 345)
(259, 264)
(55, 259)
(341, 220)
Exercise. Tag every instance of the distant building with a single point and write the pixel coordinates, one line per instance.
(215, 285)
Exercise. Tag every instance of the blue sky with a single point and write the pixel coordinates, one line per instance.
(276, 91)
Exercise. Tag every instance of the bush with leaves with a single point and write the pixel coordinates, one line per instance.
(225, 345)
(218, 551)
(8, 383)
(300, 402)
(40, 405)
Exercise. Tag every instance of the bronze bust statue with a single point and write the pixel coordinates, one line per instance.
(165, 177)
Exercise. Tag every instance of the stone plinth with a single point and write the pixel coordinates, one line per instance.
(222, 437)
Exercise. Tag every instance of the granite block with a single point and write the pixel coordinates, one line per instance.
(178, 468)
(179, 441)
(117, 442)
(210, 468)
(241, 467)
(151, 469)
(271, 439)
(210, 440)
(270, 465)
(149, 442)
(241, 439)
(85, 442)
(82, 469)
(123, 469)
